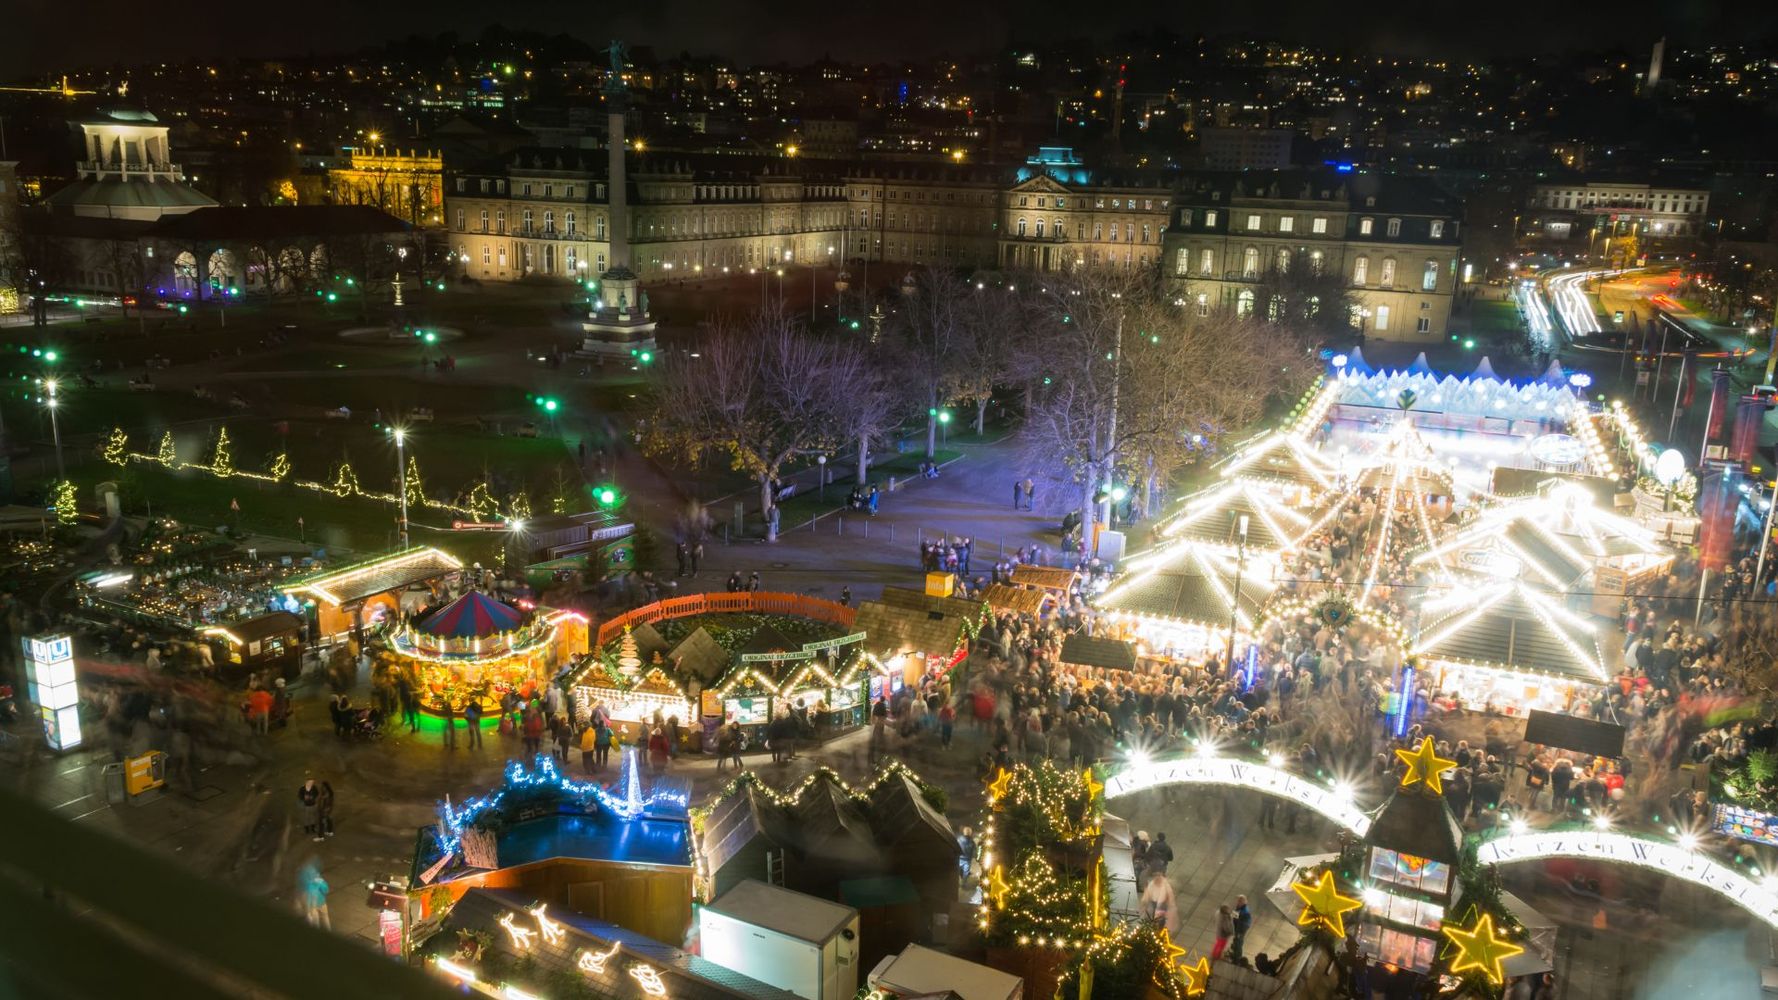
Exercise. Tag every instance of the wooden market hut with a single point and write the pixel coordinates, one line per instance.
(347, 599)
(1004, 598)
(925, 632)
(1082, 650)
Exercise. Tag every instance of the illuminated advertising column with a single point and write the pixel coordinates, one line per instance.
(49, 666)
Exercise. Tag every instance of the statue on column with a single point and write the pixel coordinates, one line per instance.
(643, 296)
(614, 80)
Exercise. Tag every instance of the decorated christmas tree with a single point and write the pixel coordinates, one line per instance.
(279, 468)
(518, 507)
(167, 456)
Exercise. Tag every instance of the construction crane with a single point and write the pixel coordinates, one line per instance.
(64, 90)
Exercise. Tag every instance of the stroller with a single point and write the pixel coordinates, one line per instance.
(367, 725)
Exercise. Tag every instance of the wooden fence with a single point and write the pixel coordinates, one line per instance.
(764, 602)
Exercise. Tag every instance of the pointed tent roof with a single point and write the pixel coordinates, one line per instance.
(1213, 515)
(1355, 360)
(1485, 370)
(1191, 582)
(1420, 365)
(475, 615)
(1281, 456)
(1413, 822)
(1510, 625)
(1554, 375)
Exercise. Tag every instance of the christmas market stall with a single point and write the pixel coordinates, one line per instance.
(917, 635)
(478, 648)
(712, 659)
(369, 593)
(269, 642)
(1176, 602)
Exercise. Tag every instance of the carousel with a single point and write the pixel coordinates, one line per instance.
(478, 649)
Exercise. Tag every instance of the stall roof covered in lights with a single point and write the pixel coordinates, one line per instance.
(1214, 516)
(363, 580)
(1554, 538)
(1282, 458)
(606, 956)
(1192, 583)
(1509, 624)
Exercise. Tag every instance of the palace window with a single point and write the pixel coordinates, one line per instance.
(1387, 278)
(1361, 270)
(1206, 261)
(1429, 278)
(1364, 227)
(1394, 227)
(1318, 224)
(1287, 224)
(1437, 230)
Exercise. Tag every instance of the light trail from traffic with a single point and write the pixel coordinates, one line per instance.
(1568, 293)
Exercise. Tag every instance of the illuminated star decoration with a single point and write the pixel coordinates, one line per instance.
(1323, 904)
(997, 889)
(1094, 786)
(1425, 765)
(1480, 948)
(998, 787)
(1197, 977)
(1175, 954)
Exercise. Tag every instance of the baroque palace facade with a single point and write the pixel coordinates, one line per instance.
(543, 214)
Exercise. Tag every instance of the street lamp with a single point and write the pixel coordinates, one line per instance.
(401, 470)
(821, 474)
(55, 428)
(1235, 605)
(944, 424)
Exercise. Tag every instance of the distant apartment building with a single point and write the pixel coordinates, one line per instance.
(1235, 148)
(1394, 242)
(408, 184)
(1588, 212)
(544, 213)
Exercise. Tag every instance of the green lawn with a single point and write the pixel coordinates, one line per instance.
(1494, 321)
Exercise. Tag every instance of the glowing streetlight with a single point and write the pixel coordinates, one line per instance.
(401, 470)
(55, 428)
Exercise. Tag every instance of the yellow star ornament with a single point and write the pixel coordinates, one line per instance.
(1480, 948)
(997, 889)
(1323, 904)
(1174, 953)
(1425, 766)
(998, 787)
(1197, 977)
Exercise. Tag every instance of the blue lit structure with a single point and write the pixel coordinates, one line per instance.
(543, 775)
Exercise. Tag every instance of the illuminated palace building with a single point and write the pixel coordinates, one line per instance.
(545, 213)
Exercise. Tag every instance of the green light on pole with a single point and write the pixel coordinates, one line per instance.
(549, 405)
(606, 496)
(1118, 493)
(1469, 345)
(331, 297)
(645, 357)
(50, 356)
(944, 416)
(431, 338)
(351, 281)
(183, 309)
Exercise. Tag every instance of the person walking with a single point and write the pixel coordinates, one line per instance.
(657, 749)
(311, 894)
(472, 720)
(1030, 494)
(735, 737)
(1160, 854)
(589, 742)
(324, 812)
(1018, 493)
(308, 799)
(947, 724)
(533, 731)
(1243, 923)
(697, 556)
(601, 743)
(410, 703)
(1225, 931)
(1158, 903)
(448, 712)
(564, 738)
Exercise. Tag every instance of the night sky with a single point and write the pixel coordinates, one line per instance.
(45, 36)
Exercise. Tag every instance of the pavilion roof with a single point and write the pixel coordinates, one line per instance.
(1280, 456)
(1213, 515)
(1510, 624)
(1193, 583)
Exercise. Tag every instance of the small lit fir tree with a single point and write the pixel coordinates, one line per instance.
(116, 450)
(279, 467)
(167, 455)
(481, 503)
(518, 506)
(66, 503)
(345, 481)
(413, 485)
(222, 462)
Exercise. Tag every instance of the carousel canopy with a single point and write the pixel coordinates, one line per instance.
(475, 615)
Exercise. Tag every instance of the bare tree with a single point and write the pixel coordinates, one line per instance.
(873, 405)
(1132, 386)
(934, 336)
(762, 389)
